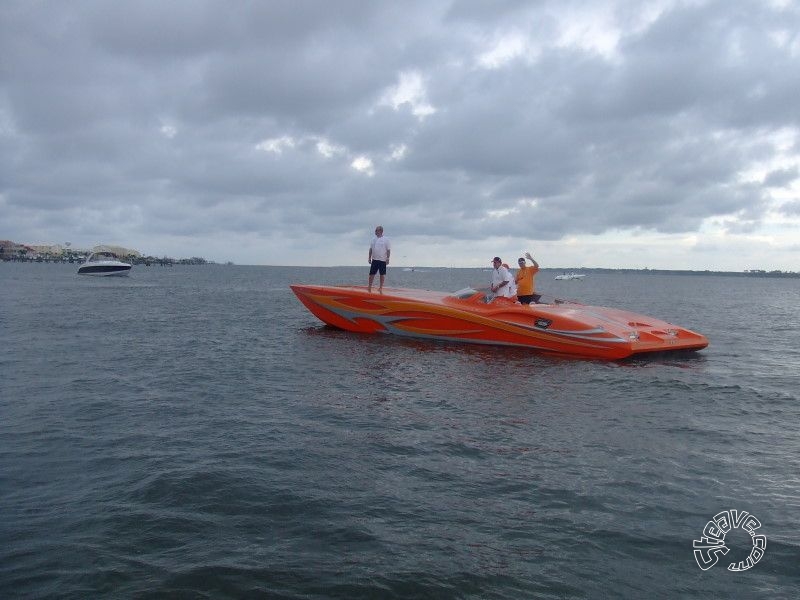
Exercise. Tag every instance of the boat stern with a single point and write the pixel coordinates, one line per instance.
(647, 334)
(665, 339)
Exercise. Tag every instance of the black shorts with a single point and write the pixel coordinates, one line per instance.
(377, 266)
(528, 299)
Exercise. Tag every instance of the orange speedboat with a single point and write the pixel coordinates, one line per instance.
(474, 316)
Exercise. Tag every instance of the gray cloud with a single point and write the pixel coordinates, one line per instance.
(206, 121)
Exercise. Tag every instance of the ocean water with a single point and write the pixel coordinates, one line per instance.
(194, 432)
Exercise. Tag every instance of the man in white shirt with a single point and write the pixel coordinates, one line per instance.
(502, 280)
(378, 259)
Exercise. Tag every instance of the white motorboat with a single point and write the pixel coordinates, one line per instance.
(104, 264)
(569, 276)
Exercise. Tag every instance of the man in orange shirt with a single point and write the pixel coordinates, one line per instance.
(526, 288)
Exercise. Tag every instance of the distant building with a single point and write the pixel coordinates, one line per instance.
(12, 250)
(118, 250)
(49, 250)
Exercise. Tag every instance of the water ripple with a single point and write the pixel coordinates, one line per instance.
(194, 432)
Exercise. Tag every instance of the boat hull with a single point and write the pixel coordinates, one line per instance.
(563, 327)
(105, 270)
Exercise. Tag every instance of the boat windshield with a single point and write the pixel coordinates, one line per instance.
(479, 295)
(467, 292)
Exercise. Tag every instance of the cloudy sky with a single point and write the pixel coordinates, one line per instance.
(631, 134)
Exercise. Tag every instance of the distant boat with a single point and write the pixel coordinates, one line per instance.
(569, 276)
(104, 264)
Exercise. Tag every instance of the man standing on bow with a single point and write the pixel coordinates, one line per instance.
(378, 259)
